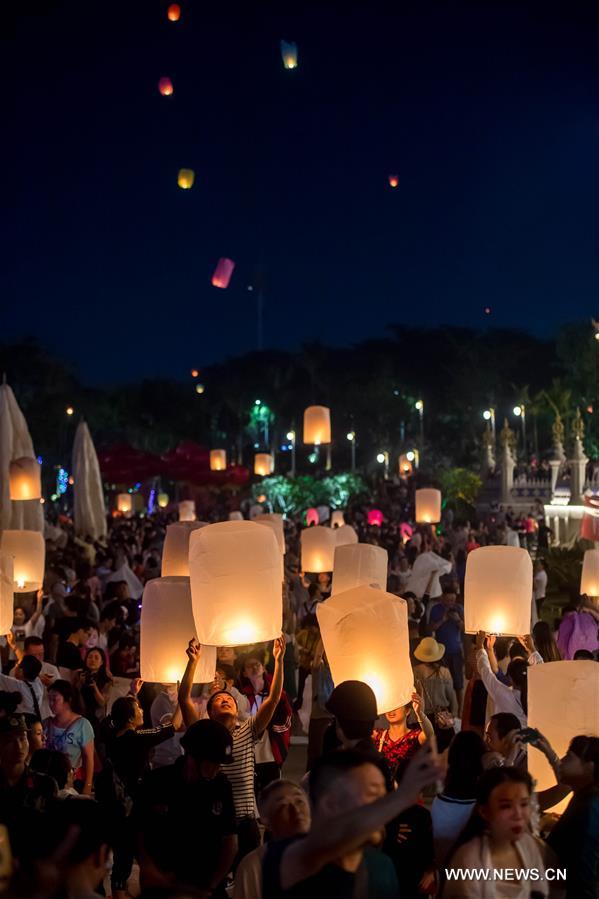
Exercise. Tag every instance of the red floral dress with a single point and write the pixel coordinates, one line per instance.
(397, 752)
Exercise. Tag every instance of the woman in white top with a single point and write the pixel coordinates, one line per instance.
(452, 808)
(505, 698)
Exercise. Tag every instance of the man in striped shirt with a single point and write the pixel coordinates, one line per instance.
(222, 707)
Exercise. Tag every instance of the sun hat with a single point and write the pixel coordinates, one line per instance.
(428, 650)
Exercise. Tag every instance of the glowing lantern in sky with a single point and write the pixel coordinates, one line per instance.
(165, 86)
(345, 535)
(428, 506)
(318, 549)
(28, 552)
(235, 570)
(312, 517)
(393, 181)
(185, 178)
(175, 552)
(222, 273)
(498, 591)
(263, 464)
(375, 518)
(187, 510)
(6, 593)
(124, 503)
(174, 12)
(289, 54)
(359, 565)
(163, 500)
(25, 479)
(563, 702)
(166, 628)
(337, 519)
(317, 425)
(589, 581)
(365, 636)
(218, 460)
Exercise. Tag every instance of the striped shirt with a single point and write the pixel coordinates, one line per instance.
(241, 772)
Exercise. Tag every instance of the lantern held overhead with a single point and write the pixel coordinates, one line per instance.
(218, 460)
(337, 519)
(175, 553)
(222, 273)
(498, 591)
(163, 500)
(428, 506)
(589, 581)
(345, 535)
(28, 552)
(25, 479)
(124, 503)
(359, 565)
(7, 590)
(275, 523)
(317, 549)
(289, 54)
(187, 510)
(263, 464)
(317, 425)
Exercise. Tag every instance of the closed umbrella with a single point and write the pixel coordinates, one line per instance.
(15, 443)
(89, 509)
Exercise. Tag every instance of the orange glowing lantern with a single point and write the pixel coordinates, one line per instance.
(25, 479)
(222, 273)
(187, 510)
(589, 581)
(393, 181)
(264, 464)
(165, 86)
(218, 460)
(185, 178)
(317, 425)
(428, 506)
(405, 466)
(124, 503)
(28, 552)
(497, 590)
(318, 549)
(173, 12)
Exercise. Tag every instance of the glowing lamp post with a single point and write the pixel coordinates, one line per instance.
(263, 464)
(175, 553)
(7, 590)
(498, 591)
(235, 573)
(187, 510)
(351, 436)
(25, 479)
(124, 503)
(218, 460)
(28, 552)
(589, 581)
(428, 506)
(359, 565)
(365, 636)
(166, 628)
(318, 549)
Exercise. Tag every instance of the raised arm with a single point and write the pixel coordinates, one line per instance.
(267, 709)
(186, 706)
(38, 608)
(495, 688)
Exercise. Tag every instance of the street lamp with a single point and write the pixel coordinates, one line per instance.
(489, 415)
(383, 458)
(70, 411)
(419, 406)
(291, 438)
(351, 436)
(520, 412)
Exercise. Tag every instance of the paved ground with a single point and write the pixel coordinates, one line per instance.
(295, 764)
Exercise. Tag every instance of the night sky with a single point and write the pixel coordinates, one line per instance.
(487, 112)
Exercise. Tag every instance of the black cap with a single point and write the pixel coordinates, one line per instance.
(208, 741)
(352, 700)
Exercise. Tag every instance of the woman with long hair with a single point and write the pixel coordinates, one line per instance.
(94, 684)
(399, 741)
(68, 731)
(545, 642)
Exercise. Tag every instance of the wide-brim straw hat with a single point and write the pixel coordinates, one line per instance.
(428, 650)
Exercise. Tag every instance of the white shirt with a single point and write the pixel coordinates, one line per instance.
(540, 584)
(505, 699)
(26, 706)
(424, 565)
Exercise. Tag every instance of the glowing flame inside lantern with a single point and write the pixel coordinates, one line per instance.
(174, 12)
(186, 178)
(393, 181)
(165, 86)
(242, 633)
(20, 583)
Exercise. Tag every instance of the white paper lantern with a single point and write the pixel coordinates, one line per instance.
(317, 425)
(563, 702)
(345, 535)
(235, 571)
(275, 523)
(175, 553)
(235, 516)
(365, 636)
(264, 464)
(360, 564)
(218, 460)
(7, 590)
(318, 549)
(498, 590)
(589, 581)
(428, 506)
(163, 500)
(25, 479)
(166, 627)
(337, 519)
(187, 510)
(124, 503)
(28, 552)
(324, 514)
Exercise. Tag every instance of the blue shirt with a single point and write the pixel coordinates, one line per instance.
(450, 632)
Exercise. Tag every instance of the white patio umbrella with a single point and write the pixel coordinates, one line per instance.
(89, 510)
(15, 443)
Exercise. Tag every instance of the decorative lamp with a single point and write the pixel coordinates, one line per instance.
(25, 479)
(317, 425)
(222, 273)
(360, 564)
(345, 535)
(218, 460)
(498, 591)
(264, 464)
(166, 628)
(7, 590)
(317, 549)
(428, 506)
(589, 581)
(235, 573)
(175, 553)
(375, 518)
(124, 503)
(365, 636)
(187, 510)
(28, 552)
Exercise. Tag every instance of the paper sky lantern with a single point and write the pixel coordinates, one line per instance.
(428, 506)
(185, 178)
(163, 500)
(218, 460)
(175, 553)
(174, 12)
(365, 636)
(7, 590)
(318, 549)
(28, 552)
(165, 86)
(324, 513)
(357, 565)
(317, 425)
(289, 54)
(589, 528)
(235, 516)
(166, 628)
(222, 273)
(235, 571)
(275, 523)
(263, 464)
(375, 518)
(124, 503)
(25, 479)
(589, 581)
(498, 591)
(187, 510)
(405, 466)
(393, 180)
(345, 535)
(312, 517)
(563, 702)
(337, 519)
(406, 531)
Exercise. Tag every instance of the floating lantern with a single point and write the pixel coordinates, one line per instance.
(365, 636)
(187, 510)
(428, 506)
(289, 54)
(393, 180)
(345, 535)
(589, 581)
(25, 479)
(222, 273)
(28, 552)
(218, 460)
(163, 500)
(498, 590)
(317, 425)
(174, 12)
(589, 528)
(186, 178)
(235, 571)
(337, 519)
(563, 702)
(263, 464)
(175, 553)
(312, 517)
(318, 549)
(124, 503)
(165, 86)
(406, 467)
(166, 628)
(235, 516)
(375, 518)
(7, 590)
(360, 564)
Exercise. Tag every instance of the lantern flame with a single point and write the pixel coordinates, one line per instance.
(20, 583)
(174, 12)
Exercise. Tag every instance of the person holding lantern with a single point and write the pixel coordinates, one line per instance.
(506, 698)
(398, 742)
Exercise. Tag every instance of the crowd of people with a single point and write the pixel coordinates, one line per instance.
(109, 785)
